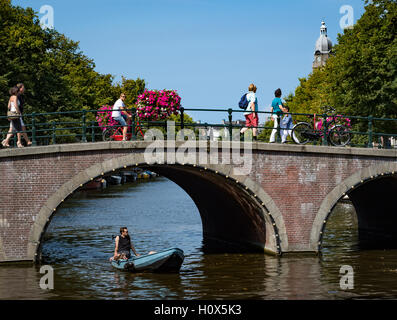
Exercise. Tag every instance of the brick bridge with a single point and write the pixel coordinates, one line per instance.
(281, 205)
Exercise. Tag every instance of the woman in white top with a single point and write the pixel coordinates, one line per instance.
(13, 105)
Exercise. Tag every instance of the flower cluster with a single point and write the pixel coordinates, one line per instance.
(104, 117)
(338, 120)
(158, 105)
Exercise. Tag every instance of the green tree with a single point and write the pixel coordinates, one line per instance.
(311, 94)
(360, 79)
(132, 88)
(56, 74)
(363, 74)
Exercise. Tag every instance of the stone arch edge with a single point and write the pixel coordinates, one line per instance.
(274, 216)
(2, 252)
(330, 201)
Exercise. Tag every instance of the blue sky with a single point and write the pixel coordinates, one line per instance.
(207, 50)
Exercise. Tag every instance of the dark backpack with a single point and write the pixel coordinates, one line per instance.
(243, 104)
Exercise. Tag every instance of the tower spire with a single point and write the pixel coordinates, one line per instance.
(323, 29)
(323, 47)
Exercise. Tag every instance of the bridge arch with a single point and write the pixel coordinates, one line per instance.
(263, 222)
(2, 256)
(363, 185)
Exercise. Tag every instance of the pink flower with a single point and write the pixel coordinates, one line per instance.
(157, 104)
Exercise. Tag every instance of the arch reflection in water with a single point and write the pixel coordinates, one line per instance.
(374, 270)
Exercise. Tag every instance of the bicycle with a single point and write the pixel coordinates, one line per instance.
(115, 133)
(337, 134)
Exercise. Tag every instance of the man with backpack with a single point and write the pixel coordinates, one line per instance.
(249, 102)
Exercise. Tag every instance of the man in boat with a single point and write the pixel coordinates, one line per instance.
(123, 245)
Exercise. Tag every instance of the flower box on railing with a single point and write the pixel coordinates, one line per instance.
(104, 117)
(158, 105)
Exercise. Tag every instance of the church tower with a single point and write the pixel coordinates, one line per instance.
(323, 48)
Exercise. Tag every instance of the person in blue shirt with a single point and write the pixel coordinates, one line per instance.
(277, 110)
(286, 125)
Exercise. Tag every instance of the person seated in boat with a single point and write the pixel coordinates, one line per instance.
(123, 245)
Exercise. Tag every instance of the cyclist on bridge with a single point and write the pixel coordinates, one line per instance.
(118, 112)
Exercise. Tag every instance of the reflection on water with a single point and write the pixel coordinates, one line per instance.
(160, 215)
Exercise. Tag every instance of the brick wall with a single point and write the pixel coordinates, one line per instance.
(296, 180)
(298, 183)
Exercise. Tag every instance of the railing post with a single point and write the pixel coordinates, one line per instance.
(54, 133)
(34, 141)
(133, 135)
(278, 138)
(370, 133)
(230, 112)
(84, 135)
(92, 131)
(182, 118)
(325, 129)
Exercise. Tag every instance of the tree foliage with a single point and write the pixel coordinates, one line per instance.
(56, 74)
(361, 77)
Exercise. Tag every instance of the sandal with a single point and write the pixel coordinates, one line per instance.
(20, 145)
(4, 144)
(29, 143)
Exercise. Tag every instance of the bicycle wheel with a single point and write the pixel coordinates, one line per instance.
(302, 132)
(107, 135)
(340, 136)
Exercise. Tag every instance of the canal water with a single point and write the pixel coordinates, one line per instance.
(161, 215)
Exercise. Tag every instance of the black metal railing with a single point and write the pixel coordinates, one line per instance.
(82, 126)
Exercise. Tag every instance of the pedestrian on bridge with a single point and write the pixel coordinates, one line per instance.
(18, 124)
(15, 126)
(277, 110)
(286, 126)
(21, 99)
(251, 114)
